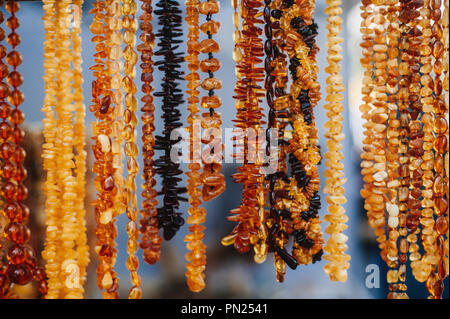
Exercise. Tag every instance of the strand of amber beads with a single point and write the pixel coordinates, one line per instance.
(79, 141)
(249, 214)
(129, 8)
(379, 115)
(435, 284)
(405, 16)
(376, 220)
(52, 208)
(336, 244)
(301, 48)
(421, 268)
(445, 86)
(373, 157)
(392, 147)
(277, 182)
(104, 182)
(150, 240)
(114, 67)
(64, 144)
(196, 258)
(416, 134)
(213, 180)
(21, 264)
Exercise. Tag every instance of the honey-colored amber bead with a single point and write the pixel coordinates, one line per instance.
(209, 46)
(212, 65)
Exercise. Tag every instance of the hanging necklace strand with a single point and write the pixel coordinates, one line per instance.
(336, 244)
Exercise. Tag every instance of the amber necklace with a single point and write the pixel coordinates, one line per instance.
(21, 264)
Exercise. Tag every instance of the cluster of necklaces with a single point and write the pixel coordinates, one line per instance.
(404, 162)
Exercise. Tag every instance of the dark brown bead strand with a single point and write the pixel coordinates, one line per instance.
(150, 239)
(170, 21)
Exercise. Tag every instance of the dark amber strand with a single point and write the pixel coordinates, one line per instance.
(213, 179)
(300, 32)
(405, 16)
(169, 18)
(5, 130)
(196, 258)
(445, 85)
(22, 264)
(248, 94)
(435, 283)
(150, 239)
(416, 135)
(103, 109)
(278, 225)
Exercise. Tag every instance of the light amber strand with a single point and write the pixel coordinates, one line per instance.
(115, 66)
(371, 200)
(103, 167)
(336, 244)
(422, 267)
(65, 157)
(129, 8)
(79, 141)
(392, 134)
(52, 208)
(196, 258)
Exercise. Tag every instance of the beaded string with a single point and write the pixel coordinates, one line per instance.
(52, 208)
(66, 251)
(213, 180)
(79, 141)
(196, 257)
(249, 214)
(435, 283)
(130, 56)
(404, 173)
(280, 203)
(103, 167)
(150, 240)
(392, 149)
(238, 142)
(169, 17)
(378, 116)
(21, 264)
(416, 141)
(421, 268)
(66, 182)
(336, 244)
(445, 85)
(374, 203)
(276, 76)
(114, 66)
(304, 156)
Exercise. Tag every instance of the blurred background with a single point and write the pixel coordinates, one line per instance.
(228, 274)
